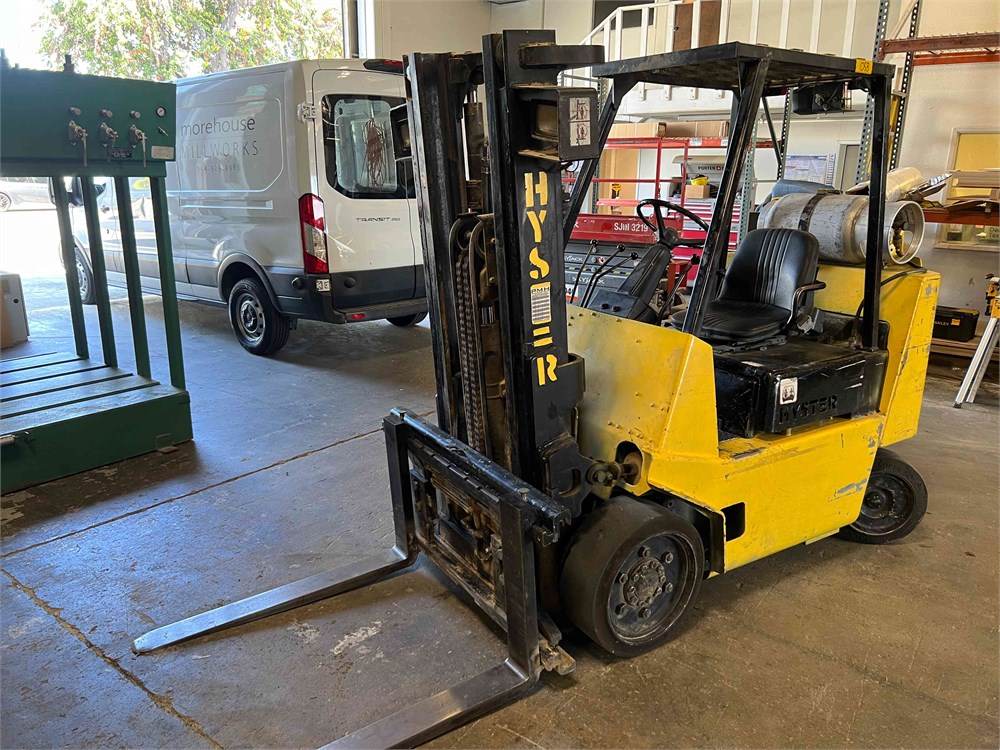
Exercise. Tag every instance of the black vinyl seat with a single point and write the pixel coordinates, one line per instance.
(768, 281)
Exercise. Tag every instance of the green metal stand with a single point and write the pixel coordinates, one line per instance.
(62, 413)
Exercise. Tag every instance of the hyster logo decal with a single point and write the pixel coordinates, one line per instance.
(820, 405)
(536, 185)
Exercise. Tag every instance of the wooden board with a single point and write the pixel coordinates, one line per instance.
(63, 415)
(43, 372)
(16, 364)
(74, 379)
(82, 394)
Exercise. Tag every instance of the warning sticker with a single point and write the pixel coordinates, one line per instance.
(579, 134)
(788, 390)
(862, 66)
(579, 109)
(541, 303)
(579, 121)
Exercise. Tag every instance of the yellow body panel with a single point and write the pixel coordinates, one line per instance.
(655, 388)
(907, 305)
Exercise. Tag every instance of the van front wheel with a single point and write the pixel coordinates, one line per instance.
(259, 326)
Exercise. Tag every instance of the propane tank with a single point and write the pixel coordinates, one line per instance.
(840, 223)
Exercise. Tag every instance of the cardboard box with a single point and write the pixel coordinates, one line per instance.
(695, 129)
(696, 191)
(13, 319)
(636, 130)
(622, 130)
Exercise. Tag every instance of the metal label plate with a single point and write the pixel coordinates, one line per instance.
(162, 152)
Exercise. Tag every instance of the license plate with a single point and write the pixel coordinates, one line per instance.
(322, 285)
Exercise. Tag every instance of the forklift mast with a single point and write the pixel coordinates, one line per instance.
(492, 230)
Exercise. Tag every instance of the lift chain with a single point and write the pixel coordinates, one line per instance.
(468, 339)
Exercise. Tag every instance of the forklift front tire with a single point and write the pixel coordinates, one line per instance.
(632, 572)
(895, 501)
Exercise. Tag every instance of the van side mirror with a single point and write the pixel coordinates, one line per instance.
(76, 191)
(400, 126)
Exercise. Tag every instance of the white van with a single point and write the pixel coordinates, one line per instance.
(285, 201)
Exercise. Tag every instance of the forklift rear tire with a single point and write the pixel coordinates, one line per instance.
(407, 321)
(631, 575)
(259, 326)
(895, 501)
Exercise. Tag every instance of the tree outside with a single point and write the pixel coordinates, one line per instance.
(168, 39)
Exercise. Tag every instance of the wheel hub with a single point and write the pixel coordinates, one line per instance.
(878, 502)
(81, 278)
(251, 317)
(647, 588)
(886, 505)
(644, 583)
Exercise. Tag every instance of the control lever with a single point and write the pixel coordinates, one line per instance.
(108, 137)
(77, 134)
(135, 137)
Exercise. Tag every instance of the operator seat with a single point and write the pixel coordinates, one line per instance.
(768, 280)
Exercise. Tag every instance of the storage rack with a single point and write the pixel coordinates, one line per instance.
(627, 229)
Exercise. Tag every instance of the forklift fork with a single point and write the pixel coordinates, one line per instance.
(524, 517)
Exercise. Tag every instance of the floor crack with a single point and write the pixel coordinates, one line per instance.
(162, 702)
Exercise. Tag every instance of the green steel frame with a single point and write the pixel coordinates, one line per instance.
(65, 413)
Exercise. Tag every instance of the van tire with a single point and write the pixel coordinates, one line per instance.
(84, 279)
(407, 321)
(259, 327)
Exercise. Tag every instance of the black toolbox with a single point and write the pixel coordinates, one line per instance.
(955, 323)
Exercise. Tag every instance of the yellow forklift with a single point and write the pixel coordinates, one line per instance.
(755, 419)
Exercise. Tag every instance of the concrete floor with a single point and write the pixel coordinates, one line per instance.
(830, 645)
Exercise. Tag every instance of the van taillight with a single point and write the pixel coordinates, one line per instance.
(313, 234)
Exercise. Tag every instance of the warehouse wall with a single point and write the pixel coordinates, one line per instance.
(945, 99)
(404, 26)
(571, 19)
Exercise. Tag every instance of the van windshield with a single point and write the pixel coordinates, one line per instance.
(360, 162)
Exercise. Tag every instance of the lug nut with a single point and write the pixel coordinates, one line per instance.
(668, 558)
(644, 552)
(669, 587)
(621, 609)
(644, 613)
(622, 578)
(658, 591)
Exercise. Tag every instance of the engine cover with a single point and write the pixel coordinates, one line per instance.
(797, 383)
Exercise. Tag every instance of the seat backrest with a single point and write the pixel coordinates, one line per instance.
(769, 265)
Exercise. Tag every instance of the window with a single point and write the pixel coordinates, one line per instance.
(975, 176)
(360, 162)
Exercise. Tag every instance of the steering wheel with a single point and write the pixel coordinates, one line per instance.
(668, 235)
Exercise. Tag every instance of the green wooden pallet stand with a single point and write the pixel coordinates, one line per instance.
(63, 413)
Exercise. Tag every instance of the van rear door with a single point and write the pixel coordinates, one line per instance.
(366, 204)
